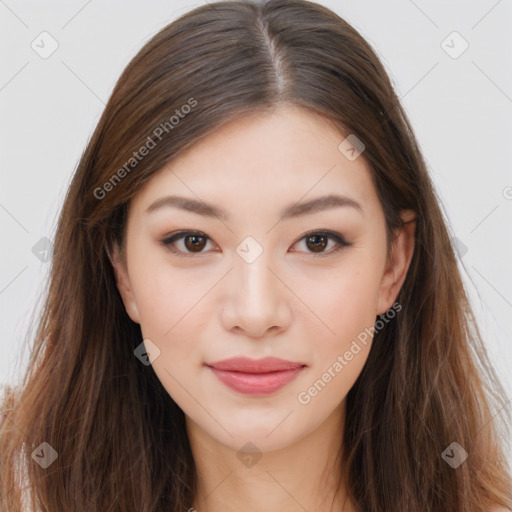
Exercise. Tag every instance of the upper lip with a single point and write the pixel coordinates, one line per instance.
(247, 365)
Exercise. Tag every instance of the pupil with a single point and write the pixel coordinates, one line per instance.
(195, 244)
(317, 248)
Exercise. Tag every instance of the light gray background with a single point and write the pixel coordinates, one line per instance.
(460, 108)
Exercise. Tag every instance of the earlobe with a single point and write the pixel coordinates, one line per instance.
(402, 250)
(123, 282)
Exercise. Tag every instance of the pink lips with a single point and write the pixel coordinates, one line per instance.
(255, 376)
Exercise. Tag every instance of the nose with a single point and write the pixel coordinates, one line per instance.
(257, 302)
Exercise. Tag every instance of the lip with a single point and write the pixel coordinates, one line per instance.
(256, 376)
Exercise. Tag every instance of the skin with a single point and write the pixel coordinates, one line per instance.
(290, 302)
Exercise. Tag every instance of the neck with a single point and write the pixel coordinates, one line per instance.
(305, 474)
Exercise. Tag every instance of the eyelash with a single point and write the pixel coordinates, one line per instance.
(340, 241)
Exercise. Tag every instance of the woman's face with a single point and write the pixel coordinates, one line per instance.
(258, 280)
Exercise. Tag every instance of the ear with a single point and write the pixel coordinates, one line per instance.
(123, 281)
(402, 249)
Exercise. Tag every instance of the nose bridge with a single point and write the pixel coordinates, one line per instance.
(257, 283)
(258, 297)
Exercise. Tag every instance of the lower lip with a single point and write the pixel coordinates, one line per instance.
(256, 383)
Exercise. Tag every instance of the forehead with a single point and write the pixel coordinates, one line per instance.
(267, 159)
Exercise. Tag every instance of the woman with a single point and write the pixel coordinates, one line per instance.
(254, 301)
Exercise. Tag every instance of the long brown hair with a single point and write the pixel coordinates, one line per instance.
(119, 437)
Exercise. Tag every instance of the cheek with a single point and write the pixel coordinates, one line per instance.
(165, 296)
(339, 354)
(345, 297)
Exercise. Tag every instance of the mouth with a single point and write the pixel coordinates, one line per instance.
(256, 376)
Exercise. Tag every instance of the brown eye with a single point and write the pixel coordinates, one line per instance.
(191, 243)
(317, 243)
(195, 242)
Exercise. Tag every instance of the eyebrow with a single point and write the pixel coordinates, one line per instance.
(292, 211)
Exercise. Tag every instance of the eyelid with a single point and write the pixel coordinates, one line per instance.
(333, 235)
(168, 240)
(341, 243)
